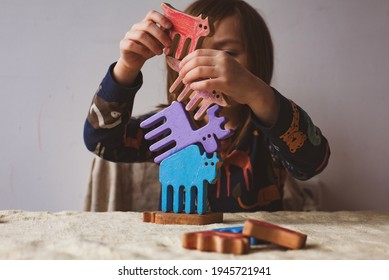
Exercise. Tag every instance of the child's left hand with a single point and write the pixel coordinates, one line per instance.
(209, 69)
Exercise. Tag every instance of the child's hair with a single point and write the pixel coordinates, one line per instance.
(257, 44)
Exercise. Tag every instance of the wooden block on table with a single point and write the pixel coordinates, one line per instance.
(216, 241)
(159, 217)
(275, 234)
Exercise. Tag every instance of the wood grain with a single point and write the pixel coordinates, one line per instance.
(159, 217)
(275, 234)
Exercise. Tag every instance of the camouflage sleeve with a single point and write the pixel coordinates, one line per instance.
(296, 141)
(110, 131)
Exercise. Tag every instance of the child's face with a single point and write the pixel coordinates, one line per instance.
(228, 38)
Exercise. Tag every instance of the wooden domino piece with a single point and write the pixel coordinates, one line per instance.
(216, 241)
(187, 32)
(159, 217)
(274, 234)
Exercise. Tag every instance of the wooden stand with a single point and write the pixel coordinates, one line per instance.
(159, 217)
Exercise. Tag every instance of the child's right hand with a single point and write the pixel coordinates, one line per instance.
(143, 41)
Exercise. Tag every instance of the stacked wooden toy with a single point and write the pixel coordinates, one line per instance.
(189, 156)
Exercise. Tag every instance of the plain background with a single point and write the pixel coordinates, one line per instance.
(331, 58)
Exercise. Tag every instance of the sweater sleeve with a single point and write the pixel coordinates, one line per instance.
(110, 131)
(296, 141)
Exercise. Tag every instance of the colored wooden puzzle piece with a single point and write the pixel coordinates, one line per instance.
(190, 31)
(216, 241)
(176, 120)
(203, 98)
(274, 234)
(158, 217)
(239, 229)
(187, 170)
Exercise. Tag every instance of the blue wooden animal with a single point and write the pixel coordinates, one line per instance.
(187, 170)
(239, 229)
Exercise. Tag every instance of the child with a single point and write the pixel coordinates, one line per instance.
(273, 136)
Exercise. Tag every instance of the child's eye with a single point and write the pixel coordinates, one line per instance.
(232, 53)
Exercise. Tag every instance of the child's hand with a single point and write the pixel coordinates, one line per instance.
(209, 69)
(143, 41)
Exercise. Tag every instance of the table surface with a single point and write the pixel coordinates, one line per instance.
(123, 235)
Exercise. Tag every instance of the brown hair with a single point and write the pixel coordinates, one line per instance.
(257, 43)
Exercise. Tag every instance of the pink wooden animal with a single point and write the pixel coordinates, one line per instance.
(199, 97)
(191, 30)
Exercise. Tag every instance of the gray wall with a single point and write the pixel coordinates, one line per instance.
(331, 58)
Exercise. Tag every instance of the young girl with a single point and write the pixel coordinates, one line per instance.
(273, 136)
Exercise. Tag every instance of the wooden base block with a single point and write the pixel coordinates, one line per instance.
(159, 217)
(274, 234)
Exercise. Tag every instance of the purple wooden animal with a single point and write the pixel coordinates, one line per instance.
(182, 133)
(203, 97)
(190, 29)
(187, 170)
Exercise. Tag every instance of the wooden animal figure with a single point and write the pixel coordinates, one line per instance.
(191, 30)
(202, 97)
(215, 241)
(175, 119)
(274, 234)
(187, 170)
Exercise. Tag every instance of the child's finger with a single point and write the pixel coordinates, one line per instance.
(200, 73)
(153, 30)
(159, 19)
(143, 38)
(196, 62)
(129, 46)
(197, 53)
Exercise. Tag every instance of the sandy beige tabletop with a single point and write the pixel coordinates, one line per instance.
(123, 235)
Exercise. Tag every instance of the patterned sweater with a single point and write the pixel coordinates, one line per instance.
(251, 176)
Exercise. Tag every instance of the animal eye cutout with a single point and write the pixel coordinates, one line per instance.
(212, 163)
(206, 163)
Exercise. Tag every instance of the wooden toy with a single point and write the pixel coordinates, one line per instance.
(239, 229)
(275, 234)
(188, 31)
(159, 217)
(176, 120)
(203, 97)
(187, 170)
(216, 241)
